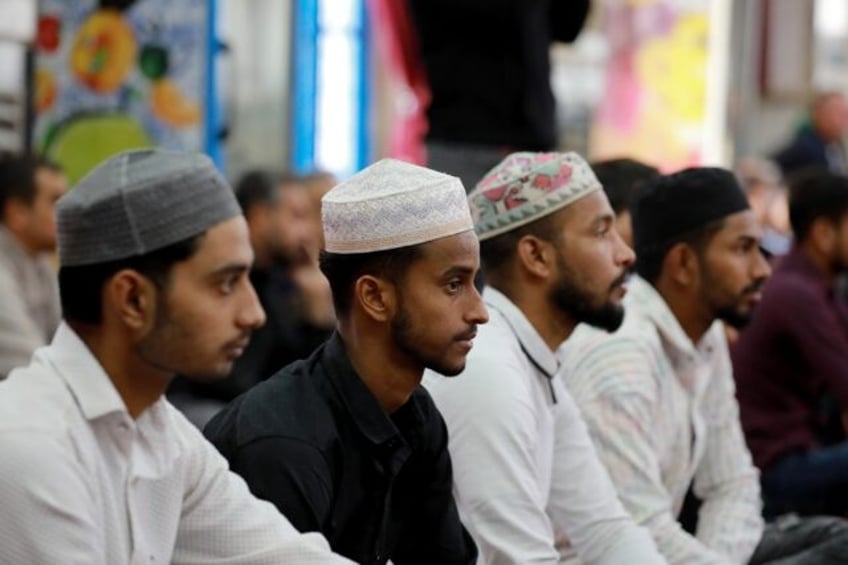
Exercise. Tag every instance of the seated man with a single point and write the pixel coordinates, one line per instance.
(96, 467)
(658, 395)
(294, 294)
(346, 442)
(30, 314)
(526, 473)
(620, 179)
(795, 355)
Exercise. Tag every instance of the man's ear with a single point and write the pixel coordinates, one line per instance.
(536, 256)
(131, 298)
(15, 214)
(376, 296)
(681, 265)
(823, 234)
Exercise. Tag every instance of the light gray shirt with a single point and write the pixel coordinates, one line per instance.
(29, 294)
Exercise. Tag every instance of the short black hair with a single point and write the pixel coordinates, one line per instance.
(649, 262)
(499, 251)
(816, 193)
(81, 286)
(261, 187)
(343, 270)
(620, 179)
(17, 178)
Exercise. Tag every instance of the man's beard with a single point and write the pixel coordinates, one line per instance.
(731, 314)
(405, 339)
(577, 303)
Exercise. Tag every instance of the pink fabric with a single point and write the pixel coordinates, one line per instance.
(398, 46)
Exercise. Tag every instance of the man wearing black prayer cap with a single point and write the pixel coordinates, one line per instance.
(658, 395)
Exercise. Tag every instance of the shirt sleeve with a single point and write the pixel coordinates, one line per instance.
(48, 510)
(618, 396)
(493, 445)
(223, 522)
(730, 518)
(434, 533)
(584, 501)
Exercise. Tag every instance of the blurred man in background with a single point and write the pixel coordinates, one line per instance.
(763, 185)
(291, 288)
(29, 189)
(620, 179)
(793, 359)
(820, 141)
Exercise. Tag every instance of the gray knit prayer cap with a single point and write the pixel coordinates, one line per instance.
(139, 201)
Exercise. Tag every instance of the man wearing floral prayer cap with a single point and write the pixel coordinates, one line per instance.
(346, 442)
(529, 485)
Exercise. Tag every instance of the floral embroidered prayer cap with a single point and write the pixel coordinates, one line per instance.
(393, 204)
(525, 187)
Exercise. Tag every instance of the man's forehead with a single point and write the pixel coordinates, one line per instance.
(452, 247)
(587, 210)
(742, 224)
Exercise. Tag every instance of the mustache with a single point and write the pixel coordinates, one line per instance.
(470, 334)
(620, 279)
(754, 287)
(242, 341)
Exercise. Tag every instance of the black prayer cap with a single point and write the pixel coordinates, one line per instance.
(670, 206)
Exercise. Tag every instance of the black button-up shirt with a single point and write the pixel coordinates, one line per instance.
(314, 441)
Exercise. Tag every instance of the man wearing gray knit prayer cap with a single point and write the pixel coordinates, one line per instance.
(97, 466)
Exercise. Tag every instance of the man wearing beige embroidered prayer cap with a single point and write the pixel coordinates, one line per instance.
(527, 476)
(346, 442)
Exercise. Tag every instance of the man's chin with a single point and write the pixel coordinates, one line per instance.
(736, 319)
(608, 318)
(209, 375)
(446, 370)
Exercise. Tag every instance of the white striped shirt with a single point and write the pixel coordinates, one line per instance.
(662, 413)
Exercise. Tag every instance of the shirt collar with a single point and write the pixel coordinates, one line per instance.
(361, 404)
(90, 385)
(531, 342)
(643, 297)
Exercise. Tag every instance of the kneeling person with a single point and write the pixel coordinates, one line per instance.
(346, 442)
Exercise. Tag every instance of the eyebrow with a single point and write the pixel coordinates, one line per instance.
(603, 219)
(458, 270)
(748, 238)
(230, 269)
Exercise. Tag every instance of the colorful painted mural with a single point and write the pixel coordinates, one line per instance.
(117, 74)
(654, 106)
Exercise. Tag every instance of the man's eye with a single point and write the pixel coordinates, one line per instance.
(228, 285)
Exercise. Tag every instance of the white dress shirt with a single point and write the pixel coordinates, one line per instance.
(525, 472)
(81, 482)
(662, 412)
